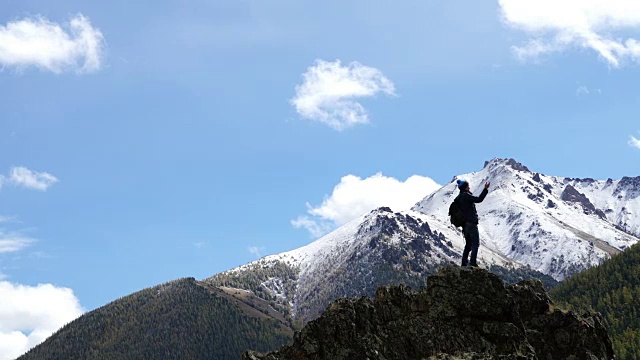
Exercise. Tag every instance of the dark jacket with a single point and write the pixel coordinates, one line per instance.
(467, 203)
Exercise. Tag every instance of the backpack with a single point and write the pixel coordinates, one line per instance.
(456, 214)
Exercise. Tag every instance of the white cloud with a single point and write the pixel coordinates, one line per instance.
(30, 314)
(13, 242)
(560, 25)
(582, 90)
(635, 142)
(354, 196)
(31, 179)
(329, 91)
(316, 228)
(47, 45)
(5, 219)
(256, 251)
(585, 90)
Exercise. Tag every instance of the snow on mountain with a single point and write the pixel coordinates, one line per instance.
(528, 222)
(556, 225)
(618, 200)
(380, 248)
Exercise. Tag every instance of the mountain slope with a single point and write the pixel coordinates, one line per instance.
(613, 289)
(182, 319)
(378, 249)
(559, 226)
(529, 221)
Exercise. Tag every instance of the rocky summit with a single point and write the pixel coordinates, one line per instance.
(462, 313)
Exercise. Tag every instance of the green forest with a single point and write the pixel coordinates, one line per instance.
(177, 320)
(613, 289)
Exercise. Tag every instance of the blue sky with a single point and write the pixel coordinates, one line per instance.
(176, 146)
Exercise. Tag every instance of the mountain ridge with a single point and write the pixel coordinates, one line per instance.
(379, 248)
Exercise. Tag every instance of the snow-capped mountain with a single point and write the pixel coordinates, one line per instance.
(529, 221)
(556, 225)
(379, 248)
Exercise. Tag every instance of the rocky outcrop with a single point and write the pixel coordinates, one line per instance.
(509, 162)
(570, 194)
(517, 166)
(628, 188)
(462, 313)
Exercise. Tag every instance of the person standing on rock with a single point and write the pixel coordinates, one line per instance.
(467, 203)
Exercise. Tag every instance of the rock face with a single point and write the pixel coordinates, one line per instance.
(462, 313)
(629, 186)
(570, 194)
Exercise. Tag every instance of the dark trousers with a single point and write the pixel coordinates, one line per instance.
(472, 239)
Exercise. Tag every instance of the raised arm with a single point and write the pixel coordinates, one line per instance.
(478, 199)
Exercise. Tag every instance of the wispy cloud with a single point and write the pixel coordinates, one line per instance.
(583, 90)
(634, 141)
(41, 255)
(354, 196)
(315, 226)
(13, 242)
(21, 176)
(199, 244)
(557, 26)
(38, 42)
(30, 314)
(329, 93)
(6, 219)
(256, 251)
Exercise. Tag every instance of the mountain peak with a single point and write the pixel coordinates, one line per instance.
(630, 184)
(556, 225)
(510, 162)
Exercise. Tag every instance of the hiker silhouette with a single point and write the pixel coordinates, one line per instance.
(467, 204)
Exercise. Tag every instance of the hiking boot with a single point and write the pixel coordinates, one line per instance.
(474, 265)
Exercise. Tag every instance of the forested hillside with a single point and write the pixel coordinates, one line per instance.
(613, 289)
(181, 319)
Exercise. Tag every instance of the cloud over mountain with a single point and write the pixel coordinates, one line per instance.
(354, 196)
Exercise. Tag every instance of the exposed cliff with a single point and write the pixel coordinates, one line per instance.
(464, 312)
